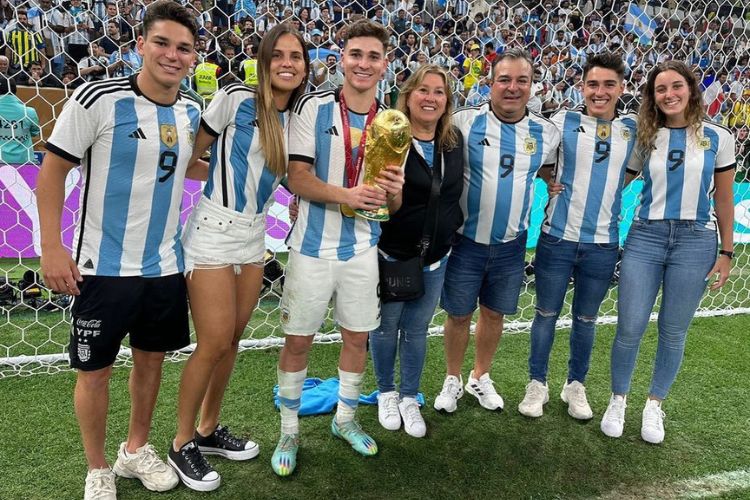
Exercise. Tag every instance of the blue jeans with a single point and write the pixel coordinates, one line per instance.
(403, 327)
(591, 265)
(675, 256)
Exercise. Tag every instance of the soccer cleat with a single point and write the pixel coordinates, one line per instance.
(193, 468)
(614, 418)
(537, 395)
(353, 434)
(222, 443)
(388, 414)
(100, 485)
(574, 394)
(284, 459)
(652, 423)
(413, 422)
(484, 390)
(449, 395)
(145, 465)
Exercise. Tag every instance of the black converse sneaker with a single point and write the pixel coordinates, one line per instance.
(193, 468)
(221, 442)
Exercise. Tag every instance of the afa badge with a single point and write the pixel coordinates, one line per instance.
(529, 145)
(191, 137)
(84, 352)
(704, 143)
(626, 135)
(603, 131)
(168, 135)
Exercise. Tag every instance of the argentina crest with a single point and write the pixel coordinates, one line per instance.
(529, 145)
(84, 352)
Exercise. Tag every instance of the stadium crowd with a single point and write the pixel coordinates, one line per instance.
(64, 43)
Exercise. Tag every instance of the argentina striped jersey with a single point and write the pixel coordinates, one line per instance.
(591, 165)
(316, 137)
(238, 177)
(502, 160)
(133, 155)
(678, 173)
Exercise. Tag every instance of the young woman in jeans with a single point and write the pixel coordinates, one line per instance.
(425, 99)
(672, 244)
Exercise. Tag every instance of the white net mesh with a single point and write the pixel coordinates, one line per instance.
(50, 47)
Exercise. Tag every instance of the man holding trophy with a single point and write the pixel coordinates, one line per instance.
(332, 253)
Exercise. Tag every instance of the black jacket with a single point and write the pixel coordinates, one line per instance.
(403, 232)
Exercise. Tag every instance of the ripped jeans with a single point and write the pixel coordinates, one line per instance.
(403, 330)
(591, 266)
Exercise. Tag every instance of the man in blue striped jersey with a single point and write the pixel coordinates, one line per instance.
(331, 254)
(506, 147)
(580, 235)
(133, 137)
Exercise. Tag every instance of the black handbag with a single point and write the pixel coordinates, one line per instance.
(403, 280)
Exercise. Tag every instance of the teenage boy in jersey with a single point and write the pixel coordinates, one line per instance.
(332, 255)
(133, 137)
(505, 148)
(580, 235)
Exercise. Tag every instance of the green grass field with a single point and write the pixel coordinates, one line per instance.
(470, 454)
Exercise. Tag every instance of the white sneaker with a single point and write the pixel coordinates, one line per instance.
(388, 415)
(652, 424)
(574, 394)
(537, 395)
(100, 485)
(449, 395)
(614, 418)
(484, 390)
(145, 465)
(413, 422)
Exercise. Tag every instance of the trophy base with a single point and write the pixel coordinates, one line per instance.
(379, 214)
(346, 210)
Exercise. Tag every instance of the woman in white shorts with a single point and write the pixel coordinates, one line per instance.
(224, 244)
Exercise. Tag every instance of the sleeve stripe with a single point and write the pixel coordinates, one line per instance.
(302, 158)
(631, 171)
(90, 101)
(62, 153)
(728, 167)
(208, 128)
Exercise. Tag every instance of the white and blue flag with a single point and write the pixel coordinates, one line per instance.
(638, 22)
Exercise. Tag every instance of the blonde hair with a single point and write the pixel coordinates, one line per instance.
(445, 133)
(651, 118)
(271, 131)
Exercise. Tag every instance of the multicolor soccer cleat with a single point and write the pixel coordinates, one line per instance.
(284, 458)
(353, 434)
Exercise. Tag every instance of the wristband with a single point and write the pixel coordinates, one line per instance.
(727, 253)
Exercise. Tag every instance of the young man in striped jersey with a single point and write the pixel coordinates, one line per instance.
(133, 138)
(332, 254)
(580, 234)
(506, 147)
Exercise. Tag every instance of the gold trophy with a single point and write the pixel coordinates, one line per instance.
(387, 143)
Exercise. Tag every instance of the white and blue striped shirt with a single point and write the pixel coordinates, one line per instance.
(502, 160)
(133, 154)
(592, 161)
(426, 150)
(238, 176)
(679, 172)
(316, 137)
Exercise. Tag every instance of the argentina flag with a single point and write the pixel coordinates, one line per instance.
(638, 22)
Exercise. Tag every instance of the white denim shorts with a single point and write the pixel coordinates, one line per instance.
(215, 236)
(311, 282)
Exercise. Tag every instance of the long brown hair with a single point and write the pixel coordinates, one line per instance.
(271, 131)
(651, 118)
(445, 133)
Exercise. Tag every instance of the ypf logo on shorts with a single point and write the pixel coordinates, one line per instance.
(87, 328)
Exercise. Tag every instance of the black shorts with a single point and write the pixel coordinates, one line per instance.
(153, 311)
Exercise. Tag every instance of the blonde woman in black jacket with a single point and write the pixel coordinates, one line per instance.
(436, 155)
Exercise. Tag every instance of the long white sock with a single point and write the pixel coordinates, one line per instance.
(290, 395)
(349, 389)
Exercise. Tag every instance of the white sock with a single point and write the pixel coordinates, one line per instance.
(349, 389)
(290, 395)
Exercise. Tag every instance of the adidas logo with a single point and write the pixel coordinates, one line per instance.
(88, 264)
(137, 134)
(484, 142)
(332, 131)
(254, 123)
(580, 129)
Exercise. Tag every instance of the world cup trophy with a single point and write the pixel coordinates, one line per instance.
(388, 141)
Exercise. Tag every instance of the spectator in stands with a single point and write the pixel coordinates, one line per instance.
(81, 29)
(18, 124)
(24, 46)
(51, 23)
(70, 78)
(94, 67)
(4, 66)
(227, 65)
(112, 41)
(332, 78)
(125, 61)
(37, 76)
(473, 67)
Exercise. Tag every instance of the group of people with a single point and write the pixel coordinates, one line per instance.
(471, 172)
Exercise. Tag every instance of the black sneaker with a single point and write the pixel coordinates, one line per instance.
(221, 442)
(193, 468)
